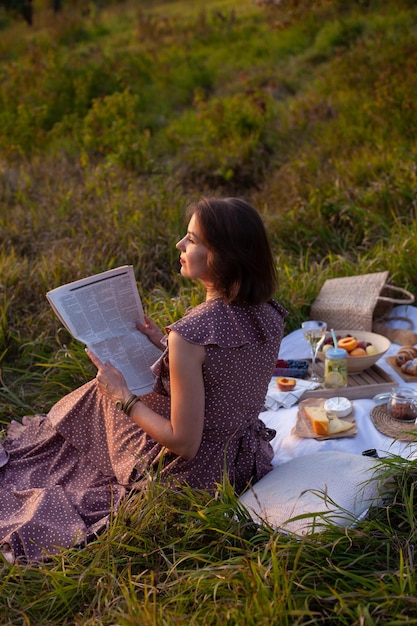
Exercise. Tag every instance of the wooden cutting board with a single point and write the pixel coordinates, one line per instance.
(303, 427)
(408, 378)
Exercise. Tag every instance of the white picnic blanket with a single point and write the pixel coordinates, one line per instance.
(287, 446)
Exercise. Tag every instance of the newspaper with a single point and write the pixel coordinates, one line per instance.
(101, 311)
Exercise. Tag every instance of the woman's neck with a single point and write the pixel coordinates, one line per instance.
(211, 293)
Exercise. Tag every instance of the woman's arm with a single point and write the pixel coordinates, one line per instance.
(181, 434)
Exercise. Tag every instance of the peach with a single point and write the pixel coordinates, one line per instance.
(347, 343)
(285, 384)
(357, 352)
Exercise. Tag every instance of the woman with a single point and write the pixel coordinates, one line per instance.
(68, 469)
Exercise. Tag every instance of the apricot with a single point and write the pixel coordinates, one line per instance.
(357, 352)
(347, 343)
(285, 384)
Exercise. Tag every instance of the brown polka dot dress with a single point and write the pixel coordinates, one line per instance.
(69, 469)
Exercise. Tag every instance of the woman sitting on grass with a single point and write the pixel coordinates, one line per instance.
(67, 470)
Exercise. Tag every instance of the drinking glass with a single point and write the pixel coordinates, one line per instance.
(315, 333)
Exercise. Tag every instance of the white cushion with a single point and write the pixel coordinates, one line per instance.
(304, 494)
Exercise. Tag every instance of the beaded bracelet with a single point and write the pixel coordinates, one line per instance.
(128, 405)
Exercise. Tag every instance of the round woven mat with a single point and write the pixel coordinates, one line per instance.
(382, 420)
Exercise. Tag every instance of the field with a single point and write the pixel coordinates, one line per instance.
(113, 117)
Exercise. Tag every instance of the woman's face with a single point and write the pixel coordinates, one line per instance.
(193, 258)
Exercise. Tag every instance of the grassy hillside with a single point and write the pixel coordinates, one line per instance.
(113, 117)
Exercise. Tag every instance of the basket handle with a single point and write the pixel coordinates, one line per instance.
(407, 299)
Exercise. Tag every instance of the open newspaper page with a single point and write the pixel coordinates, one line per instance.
(102, 311)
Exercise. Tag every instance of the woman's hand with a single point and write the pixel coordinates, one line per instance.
(183, 432)
(110, 380)
(152, 331)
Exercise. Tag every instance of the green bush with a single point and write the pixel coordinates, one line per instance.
(112, 129)
(225, 140)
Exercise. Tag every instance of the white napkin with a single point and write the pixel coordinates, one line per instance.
(276, 398)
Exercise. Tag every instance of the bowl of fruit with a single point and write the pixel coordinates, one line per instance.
(363, 348)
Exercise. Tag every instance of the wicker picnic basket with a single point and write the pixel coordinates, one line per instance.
(358, 301)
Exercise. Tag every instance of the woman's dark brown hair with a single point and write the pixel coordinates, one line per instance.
(239, 253)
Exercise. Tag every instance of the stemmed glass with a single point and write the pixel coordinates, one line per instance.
(315, 333)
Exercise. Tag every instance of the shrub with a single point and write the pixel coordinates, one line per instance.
(112, 129)
(224, 140)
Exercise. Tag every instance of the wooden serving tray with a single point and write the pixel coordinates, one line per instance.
(364, 384)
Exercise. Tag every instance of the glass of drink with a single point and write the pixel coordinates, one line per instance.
(315, 333)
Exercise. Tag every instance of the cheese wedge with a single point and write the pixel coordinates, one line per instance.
(318, 418)
(337, 425)
(324, 424)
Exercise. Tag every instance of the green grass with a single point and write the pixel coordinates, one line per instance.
(112, 120)
(187, 558)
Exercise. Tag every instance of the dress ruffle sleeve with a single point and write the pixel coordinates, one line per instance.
(228, 326)
(224, 325)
